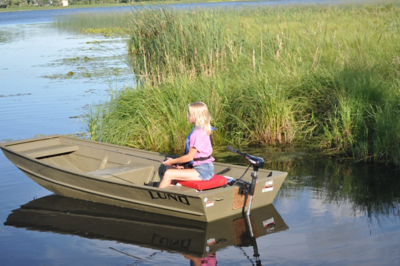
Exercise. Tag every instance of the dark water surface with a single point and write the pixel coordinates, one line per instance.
(328, 212)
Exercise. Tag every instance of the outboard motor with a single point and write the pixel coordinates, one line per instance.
(256, 162)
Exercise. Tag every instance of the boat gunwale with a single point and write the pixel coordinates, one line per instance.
(114, 182)
(193, 192)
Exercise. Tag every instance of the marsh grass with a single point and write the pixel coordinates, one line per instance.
(327, 75)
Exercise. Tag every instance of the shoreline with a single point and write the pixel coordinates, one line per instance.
(144, 3)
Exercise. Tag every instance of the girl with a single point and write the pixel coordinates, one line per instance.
(198, 150)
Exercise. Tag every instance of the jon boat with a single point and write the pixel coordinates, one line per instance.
(104, 222)
(127, 177)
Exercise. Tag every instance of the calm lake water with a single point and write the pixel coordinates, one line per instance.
(328, 212)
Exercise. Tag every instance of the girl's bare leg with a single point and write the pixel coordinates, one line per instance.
(179, 174)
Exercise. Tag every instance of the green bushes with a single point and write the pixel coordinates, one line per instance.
(328, 75)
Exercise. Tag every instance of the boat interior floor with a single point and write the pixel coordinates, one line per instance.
(97, 163)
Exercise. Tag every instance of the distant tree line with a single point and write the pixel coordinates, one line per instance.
(13, 3)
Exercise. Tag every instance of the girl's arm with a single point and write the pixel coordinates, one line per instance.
(183, 159)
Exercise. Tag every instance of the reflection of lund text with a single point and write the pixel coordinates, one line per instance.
(179, 244)
(168, 196)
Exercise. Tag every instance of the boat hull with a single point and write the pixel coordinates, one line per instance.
(77, 173)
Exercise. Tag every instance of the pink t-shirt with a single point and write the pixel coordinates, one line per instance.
(202, 143)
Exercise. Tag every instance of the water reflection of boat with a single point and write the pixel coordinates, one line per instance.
(126, 177)
(94, 220)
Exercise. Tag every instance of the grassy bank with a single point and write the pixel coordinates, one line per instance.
(326, 75)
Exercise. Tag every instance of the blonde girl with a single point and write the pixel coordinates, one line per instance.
(198, 150)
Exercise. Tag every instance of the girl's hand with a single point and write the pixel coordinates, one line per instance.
(168, 162)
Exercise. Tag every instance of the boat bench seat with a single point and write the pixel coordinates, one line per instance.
(215, 182)
(138, 174)
(50, 151)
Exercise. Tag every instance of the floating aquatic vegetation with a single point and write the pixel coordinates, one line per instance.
(16, 95)
(5, 36)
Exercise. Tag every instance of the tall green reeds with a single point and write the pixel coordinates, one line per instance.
(324, 74)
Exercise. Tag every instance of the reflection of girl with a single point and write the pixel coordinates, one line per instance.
(210, 260)
(198, 150)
